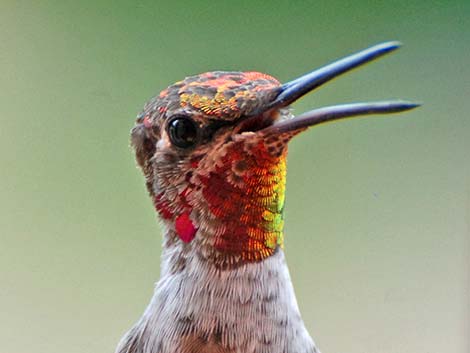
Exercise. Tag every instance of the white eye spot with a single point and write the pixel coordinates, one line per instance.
(164, 142)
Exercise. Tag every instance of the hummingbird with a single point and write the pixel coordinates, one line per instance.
(212, 149)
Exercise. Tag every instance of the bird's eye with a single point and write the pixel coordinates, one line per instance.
(183, 131)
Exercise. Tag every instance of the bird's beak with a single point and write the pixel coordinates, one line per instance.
(293, 90)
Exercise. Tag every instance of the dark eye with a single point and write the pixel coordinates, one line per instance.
(183, 132)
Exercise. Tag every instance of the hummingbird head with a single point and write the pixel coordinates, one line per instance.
(213, 148)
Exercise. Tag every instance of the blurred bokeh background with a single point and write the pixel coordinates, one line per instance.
(378, 209)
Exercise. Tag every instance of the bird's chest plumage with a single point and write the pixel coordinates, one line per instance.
(249, 309)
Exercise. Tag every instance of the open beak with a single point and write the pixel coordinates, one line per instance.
(293, 90)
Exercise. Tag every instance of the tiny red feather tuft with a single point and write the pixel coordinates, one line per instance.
(185, 228)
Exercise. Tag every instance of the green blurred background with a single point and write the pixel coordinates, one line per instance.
(378, 209)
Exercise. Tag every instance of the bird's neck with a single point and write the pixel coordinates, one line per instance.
(196, 306)
(231, 205)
